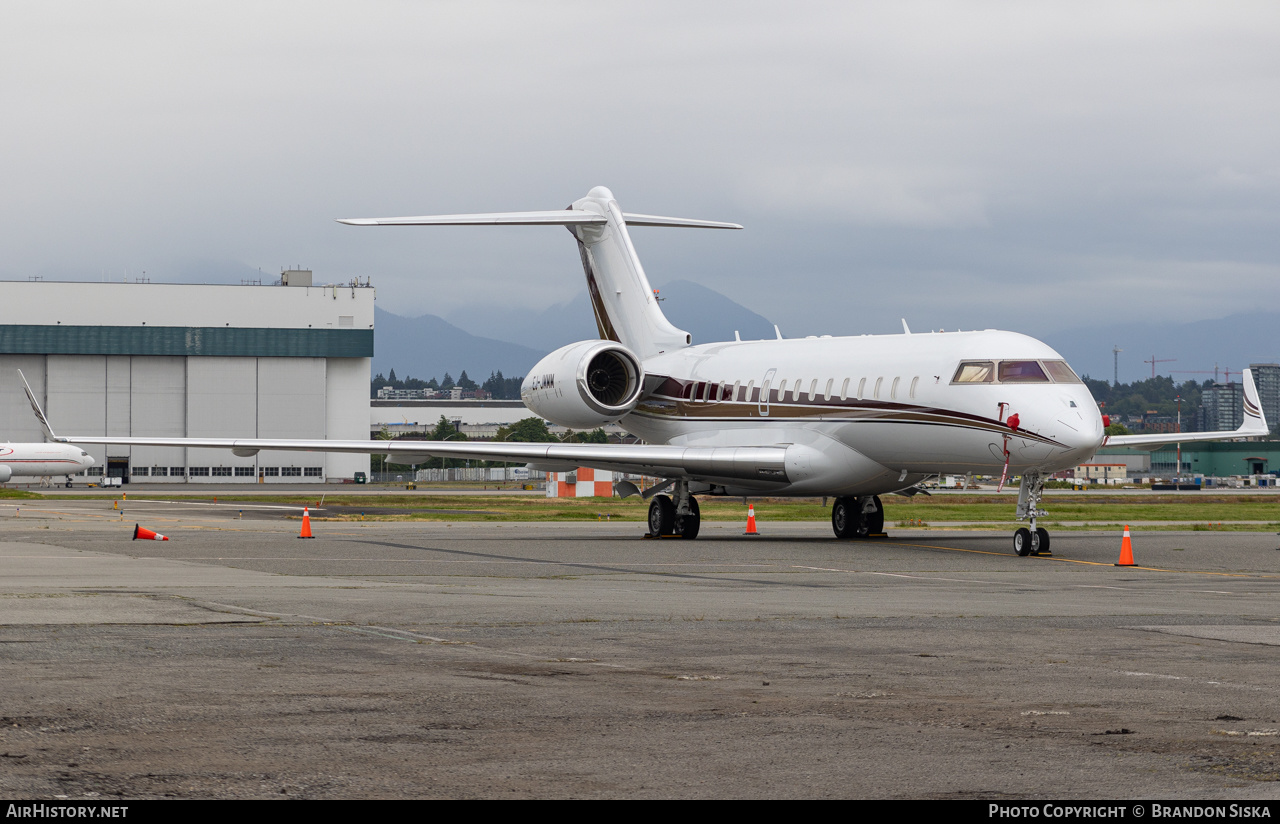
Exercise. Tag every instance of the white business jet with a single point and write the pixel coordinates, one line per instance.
(851, 418)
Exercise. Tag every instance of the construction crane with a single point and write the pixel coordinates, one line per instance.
(1115, 378)
(1215, 372)
(1154, 361)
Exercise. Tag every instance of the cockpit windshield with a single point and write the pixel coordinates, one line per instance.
(1022, 371)
(975, 372)
(1015, 371)
(1061, 372)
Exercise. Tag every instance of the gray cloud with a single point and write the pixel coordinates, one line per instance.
(1030, 166)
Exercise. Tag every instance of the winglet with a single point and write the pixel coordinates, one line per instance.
(35, 407)
(1255, 422)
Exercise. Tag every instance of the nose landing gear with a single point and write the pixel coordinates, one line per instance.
(1033, 541)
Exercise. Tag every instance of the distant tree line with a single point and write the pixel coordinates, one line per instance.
(497, 386)
(1159, 395)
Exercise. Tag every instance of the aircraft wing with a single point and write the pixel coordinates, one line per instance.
(742, 463)
(1254, 425)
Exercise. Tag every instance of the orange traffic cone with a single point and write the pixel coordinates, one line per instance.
(144, 534)
(1126, 549)
(306, 524)
(751, 520)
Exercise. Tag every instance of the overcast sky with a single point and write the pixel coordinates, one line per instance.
(1033, 166)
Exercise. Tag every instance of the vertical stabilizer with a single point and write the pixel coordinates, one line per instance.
(625, 307)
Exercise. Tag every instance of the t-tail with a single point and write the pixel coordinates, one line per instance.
(625, 306)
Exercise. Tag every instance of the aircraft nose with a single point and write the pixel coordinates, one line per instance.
(1082, 433)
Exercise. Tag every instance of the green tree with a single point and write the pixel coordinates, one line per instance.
(445, 431)
(527, 430)
(596, 435)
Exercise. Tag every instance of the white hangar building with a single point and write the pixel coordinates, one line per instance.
(177, 360)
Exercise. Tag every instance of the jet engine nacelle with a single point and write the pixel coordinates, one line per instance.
(6, 472)
(584, 385)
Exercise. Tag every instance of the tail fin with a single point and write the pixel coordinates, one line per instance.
(621, 296)
(35, 407)
(1255, 422)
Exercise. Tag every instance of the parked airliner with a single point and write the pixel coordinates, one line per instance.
(41, 460)
(851, 418)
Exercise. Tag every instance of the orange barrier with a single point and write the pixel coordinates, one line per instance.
(751, 520)
(306, 523)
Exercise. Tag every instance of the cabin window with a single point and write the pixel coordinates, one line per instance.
(813, 390)
(1026, 371)
(876, 393)
(795, 392)
(975, 372)
(746, 396)
(826, 396)
(914, 381)
(1060, 372)
(782, 392)
(706, 391)
(862, 384)
(893, 389)
(844, 390)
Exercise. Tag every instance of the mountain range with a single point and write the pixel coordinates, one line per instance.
(481, 339)
(512, 341)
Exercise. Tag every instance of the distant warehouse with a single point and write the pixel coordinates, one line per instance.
(175, 360)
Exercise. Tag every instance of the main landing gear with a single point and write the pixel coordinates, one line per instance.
(1033, 541)
(678, 518)
(857, 517)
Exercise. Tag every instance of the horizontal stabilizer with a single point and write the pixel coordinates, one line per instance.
(678, 222)
(559, 217)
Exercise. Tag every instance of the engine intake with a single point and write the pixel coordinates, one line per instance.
(585, 384)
